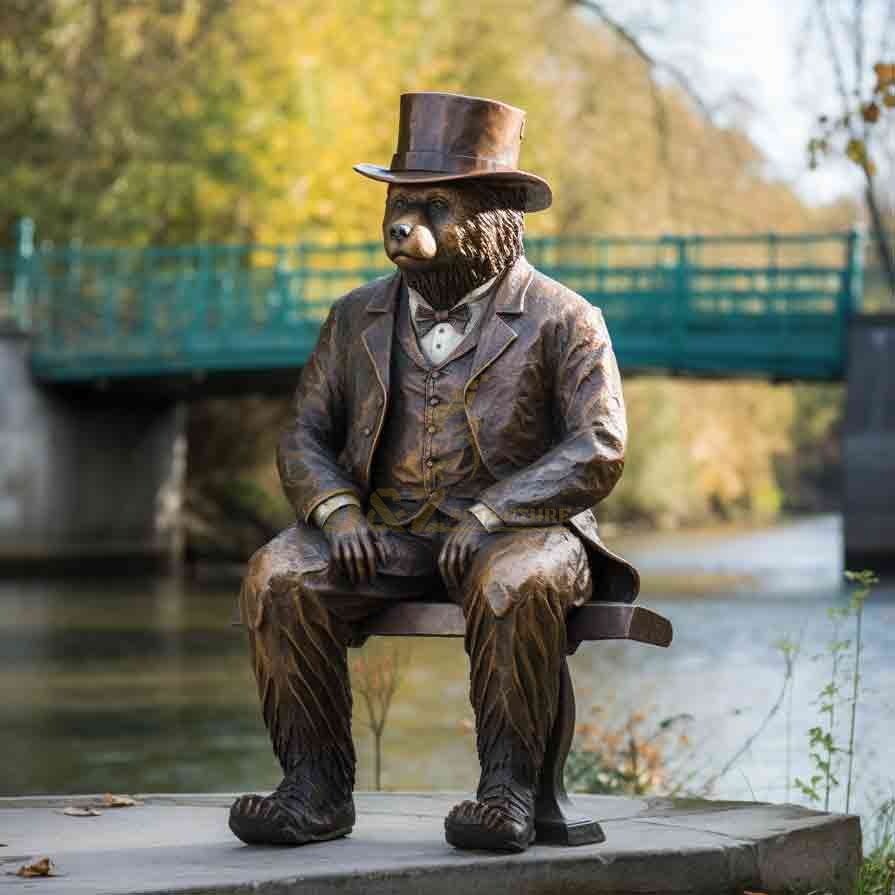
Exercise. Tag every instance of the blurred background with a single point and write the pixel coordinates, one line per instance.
(177, 210)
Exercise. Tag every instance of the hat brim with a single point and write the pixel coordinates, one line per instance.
(538, 195)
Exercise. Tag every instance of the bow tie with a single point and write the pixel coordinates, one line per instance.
(425, 318)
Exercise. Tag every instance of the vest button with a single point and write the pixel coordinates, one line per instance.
(430, 463)
(368, 430)
(430, 430)
(433, 401)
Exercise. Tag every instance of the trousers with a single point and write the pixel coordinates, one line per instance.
(300, 611)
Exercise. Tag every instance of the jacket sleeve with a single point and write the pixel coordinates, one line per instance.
(307, 457)
(587, 456)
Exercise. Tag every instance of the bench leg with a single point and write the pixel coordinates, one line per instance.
(556, 821)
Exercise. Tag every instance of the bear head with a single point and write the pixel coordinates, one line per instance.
(448, 238)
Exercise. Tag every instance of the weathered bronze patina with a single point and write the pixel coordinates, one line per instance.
(453, 430)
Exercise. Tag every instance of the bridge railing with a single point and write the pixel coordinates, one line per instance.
(175, 309)
(772, 305)
(766, 305)
(16, 269)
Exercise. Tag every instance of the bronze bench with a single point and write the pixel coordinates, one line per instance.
(555, 819)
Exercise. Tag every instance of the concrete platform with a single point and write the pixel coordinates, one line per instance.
(182, 844)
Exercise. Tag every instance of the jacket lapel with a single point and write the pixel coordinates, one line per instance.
(496, 334)
(377, 337)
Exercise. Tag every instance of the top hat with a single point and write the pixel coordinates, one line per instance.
(444, 137)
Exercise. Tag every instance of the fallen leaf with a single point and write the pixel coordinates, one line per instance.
(111, 801)
(81, 811)
(40, 867)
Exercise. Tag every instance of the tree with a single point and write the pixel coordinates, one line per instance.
(853, 34)
(180, 121)
(847, 35)
(377, 674)
(113, 116)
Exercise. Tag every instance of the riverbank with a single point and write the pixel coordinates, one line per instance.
(132, 684)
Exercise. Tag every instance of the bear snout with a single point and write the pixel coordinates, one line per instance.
(416, 242)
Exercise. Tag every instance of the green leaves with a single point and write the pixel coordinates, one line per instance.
(824, 749)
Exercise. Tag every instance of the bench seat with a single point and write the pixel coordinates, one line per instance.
(593, 621)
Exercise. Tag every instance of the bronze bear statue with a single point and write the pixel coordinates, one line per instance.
(453, 429)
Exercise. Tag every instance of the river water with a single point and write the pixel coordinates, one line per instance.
(142, 685)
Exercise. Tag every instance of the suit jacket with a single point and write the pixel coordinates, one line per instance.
(543, 400)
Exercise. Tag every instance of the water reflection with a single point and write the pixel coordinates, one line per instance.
(143, 685)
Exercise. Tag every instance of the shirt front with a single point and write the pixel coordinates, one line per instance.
(439, 343)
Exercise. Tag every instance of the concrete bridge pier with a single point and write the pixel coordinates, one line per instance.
(83, 480)
(869, 444)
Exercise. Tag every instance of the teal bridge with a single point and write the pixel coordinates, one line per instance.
(773, 306)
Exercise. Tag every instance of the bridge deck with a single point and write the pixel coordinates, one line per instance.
(769, 306)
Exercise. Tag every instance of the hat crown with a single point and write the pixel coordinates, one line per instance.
(451, 132)
(450, 138)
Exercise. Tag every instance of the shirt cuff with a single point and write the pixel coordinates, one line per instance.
(327, 507)
(489, 519)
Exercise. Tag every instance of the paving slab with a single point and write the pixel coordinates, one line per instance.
(181, 844)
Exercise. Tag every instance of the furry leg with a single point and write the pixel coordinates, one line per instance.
(299, 656)
(514, 688)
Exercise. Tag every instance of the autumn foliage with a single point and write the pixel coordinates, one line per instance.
(239, 120)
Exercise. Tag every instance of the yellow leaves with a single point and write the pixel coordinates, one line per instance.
(885, 75)
(637, 751)
(37, 868)
(885, 85)
(856, 151)
(188, 20)
(702, 448)
(263, 107)
(870, 112)
(112, 801)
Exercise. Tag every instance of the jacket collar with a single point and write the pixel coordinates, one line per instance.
(385, 299)
(495, 335)
(510, 297)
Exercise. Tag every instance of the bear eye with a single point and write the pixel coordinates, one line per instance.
(399, 203)
(438, 204)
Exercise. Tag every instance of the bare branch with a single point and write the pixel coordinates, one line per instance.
(652, 63)
(841, 83)
(859, 46)
(887, 32)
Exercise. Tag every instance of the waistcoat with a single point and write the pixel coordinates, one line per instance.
(427, 456)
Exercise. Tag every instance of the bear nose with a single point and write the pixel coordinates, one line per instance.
(399, 231)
